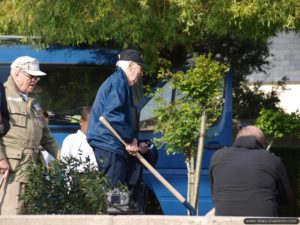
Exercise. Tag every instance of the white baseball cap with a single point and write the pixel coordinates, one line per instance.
(28, 65)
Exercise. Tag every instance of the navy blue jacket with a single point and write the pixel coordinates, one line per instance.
(4, 127)
(113, 102)
(247, 180)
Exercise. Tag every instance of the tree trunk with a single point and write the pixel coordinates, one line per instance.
(194, 202)
(270, 144)
(190, 177)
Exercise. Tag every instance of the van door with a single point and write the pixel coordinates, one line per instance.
(172, 167)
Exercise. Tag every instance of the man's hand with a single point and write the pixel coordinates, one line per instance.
(132, 148)
(143, 147)
(4, 167)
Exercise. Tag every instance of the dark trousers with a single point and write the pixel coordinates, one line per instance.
(113, 165)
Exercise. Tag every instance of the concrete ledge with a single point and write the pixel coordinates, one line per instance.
(121, 220)
(56, 220)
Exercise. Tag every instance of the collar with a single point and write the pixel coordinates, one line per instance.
(81, 134)
(24, 96)
(249, 142)
(122, 72)
(124, 77)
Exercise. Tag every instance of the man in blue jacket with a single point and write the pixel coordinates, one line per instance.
(113, 101)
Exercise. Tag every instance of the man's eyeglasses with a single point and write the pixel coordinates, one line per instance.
(37, 78)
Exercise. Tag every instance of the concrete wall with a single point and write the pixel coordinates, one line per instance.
(130, 220)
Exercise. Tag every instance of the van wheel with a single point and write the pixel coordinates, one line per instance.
(152, 206)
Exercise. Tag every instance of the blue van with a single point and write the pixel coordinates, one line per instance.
(73, 78)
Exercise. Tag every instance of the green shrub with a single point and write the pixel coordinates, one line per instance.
(290, 157)
(277, 124)
(62, 189)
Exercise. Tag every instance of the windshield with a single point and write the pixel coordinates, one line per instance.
(169, 95)
(67, 88)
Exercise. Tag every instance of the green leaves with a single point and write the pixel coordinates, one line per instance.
(179, 123)
(62, 189)
(204, 82)
(277, 124)
(199, 88)
(154, 26)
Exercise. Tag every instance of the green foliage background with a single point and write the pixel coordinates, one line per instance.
(277, 124)
(155, 26)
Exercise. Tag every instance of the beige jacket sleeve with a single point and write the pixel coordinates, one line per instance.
(2, 154)
(50, 144)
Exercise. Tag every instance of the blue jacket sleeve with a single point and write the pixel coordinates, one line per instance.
(4, 126)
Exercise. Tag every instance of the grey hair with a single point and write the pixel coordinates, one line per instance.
(13, 71)
(253, 131)
(123, 64)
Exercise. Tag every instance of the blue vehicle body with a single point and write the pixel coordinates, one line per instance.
(171, 167)
(60, 55)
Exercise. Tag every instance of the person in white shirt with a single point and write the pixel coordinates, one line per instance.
(76, 145)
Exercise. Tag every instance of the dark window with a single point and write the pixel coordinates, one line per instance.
(67, 88)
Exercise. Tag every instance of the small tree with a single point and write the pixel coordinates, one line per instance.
(276, 124)
(62, 189)
(201, 89)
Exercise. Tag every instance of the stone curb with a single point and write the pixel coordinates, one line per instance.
(124, 220)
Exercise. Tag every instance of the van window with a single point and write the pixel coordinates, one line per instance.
(147, 121)
(146, 115)
(66, 88)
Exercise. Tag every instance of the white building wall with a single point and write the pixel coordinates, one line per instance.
(284, 61)
(289, 99)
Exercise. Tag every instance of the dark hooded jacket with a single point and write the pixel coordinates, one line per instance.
(247, 180)
(4, 126)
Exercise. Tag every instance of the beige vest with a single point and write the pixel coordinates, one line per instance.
(28, 131)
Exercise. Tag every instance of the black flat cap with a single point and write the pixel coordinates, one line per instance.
(131, 55)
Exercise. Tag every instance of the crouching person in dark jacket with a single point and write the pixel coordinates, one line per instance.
(247, 180)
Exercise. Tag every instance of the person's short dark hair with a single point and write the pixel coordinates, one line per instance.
(131, 55)
(85, 112)
(45, 113)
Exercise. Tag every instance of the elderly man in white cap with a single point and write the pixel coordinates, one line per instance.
(29, 130)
